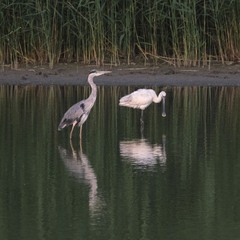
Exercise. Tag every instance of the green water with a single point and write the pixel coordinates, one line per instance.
(178, 179)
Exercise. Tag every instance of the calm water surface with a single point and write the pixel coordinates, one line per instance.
(177, 179)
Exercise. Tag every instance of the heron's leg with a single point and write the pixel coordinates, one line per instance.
(80, 144)
(80, 138)
(73, 125)
(80, 133)
(74, 153)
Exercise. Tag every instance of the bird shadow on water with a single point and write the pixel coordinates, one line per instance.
(143, 155)
(78, 166)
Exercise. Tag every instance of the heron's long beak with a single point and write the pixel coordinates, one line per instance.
(104, 72)
(163, 107)
(99, 73)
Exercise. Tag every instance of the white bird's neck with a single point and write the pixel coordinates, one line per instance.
(158, 98)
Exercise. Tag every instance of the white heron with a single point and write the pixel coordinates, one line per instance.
(142, 98)
(78, 113)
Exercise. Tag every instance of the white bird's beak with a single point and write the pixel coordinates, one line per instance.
(163, 107)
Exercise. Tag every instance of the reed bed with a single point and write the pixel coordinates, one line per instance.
(181, 33)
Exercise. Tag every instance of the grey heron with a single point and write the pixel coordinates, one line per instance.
(142, 98)
(78, 113)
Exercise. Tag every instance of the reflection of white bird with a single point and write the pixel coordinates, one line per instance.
(79, 166)
(142, 98)
(142, 154)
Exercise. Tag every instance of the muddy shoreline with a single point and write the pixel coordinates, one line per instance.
(163, 75)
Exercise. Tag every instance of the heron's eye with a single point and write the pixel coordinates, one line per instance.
(93, 71)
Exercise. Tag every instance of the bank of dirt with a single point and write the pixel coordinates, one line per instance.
(162, 75)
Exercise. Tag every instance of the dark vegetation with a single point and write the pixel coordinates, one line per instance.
(179, 32)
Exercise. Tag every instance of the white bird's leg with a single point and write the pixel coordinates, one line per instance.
(141, 123)
(141, 119)
(141, 129)
(74, 123)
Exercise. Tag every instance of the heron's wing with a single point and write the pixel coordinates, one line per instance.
(73, 114)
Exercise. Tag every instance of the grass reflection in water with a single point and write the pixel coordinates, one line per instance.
(104, 191)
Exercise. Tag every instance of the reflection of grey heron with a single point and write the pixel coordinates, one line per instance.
(78, 113)
(78, 166)
(142, 154)
(142, 98)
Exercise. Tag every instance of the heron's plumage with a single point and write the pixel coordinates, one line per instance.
(78, 113)
(73, 114)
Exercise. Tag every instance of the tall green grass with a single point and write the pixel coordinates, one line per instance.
(179, 32)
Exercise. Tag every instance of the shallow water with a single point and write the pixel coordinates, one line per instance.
(177, 179)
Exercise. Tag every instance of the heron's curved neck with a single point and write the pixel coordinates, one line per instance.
(94, 88)
(158, 98)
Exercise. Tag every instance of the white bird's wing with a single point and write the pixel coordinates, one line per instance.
(138, 99)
